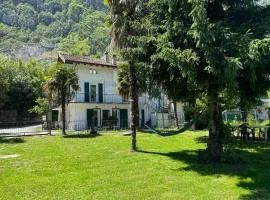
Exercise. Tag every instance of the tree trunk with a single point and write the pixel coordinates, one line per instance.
(63, 102)
(244, 118)
(175, 114)
(214, 145)
(133, 98)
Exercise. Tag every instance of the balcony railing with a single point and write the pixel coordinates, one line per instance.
(105, 98)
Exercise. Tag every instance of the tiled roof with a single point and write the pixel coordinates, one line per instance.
(83, 60)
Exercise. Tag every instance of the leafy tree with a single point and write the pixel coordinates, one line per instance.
(75, 10)
(27, 16)
(63, 82)
(41, 107)
(207, 49)
(94, 28)
(21, 84)
(122, 79)
(45, 18)
(4, 79)
(50, 21)
(21, 98)
(74, 45)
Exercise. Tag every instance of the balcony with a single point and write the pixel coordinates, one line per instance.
(106, 98)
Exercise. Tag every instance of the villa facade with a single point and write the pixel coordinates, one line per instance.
(97, 103)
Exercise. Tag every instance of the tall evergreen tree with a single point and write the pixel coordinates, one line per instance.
(204, 48)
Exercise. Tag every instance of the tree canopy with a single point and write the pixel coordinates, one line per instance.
(206, 49)
(47, 23)
(21, 84)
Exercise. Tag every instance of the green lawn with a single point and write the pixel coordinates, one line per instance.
(53, 167)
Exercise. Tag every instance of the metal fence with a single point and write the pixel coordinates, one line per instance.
(22, 128)
(87, 125)
(166, 120)
(16, 129)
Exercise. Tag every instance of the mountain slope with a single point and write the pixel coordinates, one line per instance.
(31, 27)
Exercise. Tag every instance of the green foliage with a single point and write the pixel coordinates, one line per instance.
(21, 84)
(41, 107)
(201, 45)
(251, 120)
(51, 21)
(74, 45)
(195, 49)
(45, 18)
(123, 80)
(227, 131)
(63, 81)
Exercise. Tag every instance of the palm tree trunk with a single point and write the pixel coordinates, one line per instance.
(63, 103)
(133, 98)
(214, 145)
(175, 114)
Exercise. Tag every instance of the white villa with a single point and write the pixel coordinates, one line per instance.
(98, 104)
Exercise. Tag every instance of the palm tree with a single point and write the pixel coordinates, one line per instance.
(64, 83)
(123, 13)
(123, 80)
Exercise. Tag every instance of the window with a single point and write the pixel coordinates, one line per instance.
(92, 71)
(93, 93)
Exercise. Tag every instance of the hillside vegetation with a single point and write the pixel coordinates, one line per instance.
(72, 26)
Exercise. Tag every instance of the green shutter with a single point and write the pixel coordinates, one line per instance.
(100, 93)
(86, 92)
(89, 117)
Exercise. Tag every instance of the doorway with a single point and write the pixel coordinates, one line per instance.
(123, 118)
(92, 118)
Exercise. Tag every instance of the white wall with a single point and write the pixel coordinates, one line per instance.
(105, 75)
(108, 77)
(77, 112)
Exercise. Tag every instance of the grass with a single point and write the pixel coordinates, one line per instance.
(102, 167)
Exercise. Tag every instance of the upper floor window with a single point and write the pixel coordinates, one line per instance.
(92, 71)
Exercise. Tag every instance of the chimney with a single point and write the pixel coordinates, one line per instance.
(106, 56)
(114, 60)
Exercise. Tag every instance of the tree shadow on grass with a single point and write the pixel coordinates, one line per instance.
(253, 171)
(145, 131)
(82, 135)
(11, 140)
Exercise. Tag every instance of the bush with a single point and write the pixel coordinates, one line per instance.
(227, 131)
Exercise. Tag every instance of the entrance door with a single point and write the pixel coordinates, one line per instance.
(92, 118)
(100, 93)
(105, 117)
(86, 92)
(115, 119)
(123, 118)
